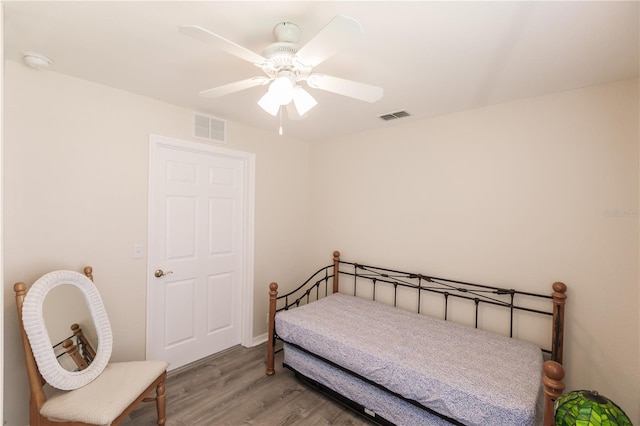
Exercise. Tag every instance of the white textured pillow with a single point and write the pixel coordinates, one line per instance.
(38, 335)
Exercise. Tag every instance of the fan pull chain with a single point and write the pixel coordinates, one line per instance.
(280, 129)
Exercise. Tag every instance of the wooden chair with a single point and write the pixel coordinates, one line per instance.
(107, 400)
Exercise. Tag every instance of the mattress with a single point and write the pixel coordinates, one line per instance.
(470, 375)
(375, 400)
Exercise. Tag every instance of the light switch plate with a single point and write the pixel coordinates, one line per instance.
(138, 251)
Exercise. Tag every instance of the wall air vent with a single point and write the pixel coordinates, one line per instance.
(209, 128)
(394, 115)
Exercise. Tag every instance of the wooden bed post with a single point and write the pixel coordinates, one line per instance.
(553, 387)
(559, 299)
(553, 369)
(77, 331)
(336, 270)
(273, 294)
(72, 350)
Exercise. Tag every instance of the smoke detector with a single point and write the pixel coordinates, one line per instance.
(36, 60)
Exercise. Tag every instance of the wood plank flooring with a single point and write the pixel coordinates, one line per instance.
(231, 388)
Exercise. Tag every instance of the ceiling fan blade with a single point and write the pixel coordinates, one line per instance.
(338, 34)
(341, 86)
(222, 43)
(234, 87)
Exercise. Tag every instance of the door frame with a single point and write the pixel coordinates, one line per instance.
(248, 243)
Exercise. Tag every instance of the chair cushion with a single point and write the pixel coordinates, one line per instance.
(104, 399)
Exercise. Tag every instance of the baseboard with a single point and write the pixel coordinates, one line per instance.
(258, 340)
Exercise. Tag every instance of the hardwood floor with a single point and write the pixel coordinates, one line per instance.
(231, 388)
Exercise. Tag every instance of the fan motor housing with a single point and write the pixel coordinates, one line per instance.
(281, 52)
(281, 57)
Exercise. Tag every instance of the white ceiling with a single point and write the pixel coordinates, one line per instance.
(431, 58)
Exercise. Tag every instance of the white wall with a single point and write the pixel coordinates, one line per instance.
(75, 194)
(520, 194)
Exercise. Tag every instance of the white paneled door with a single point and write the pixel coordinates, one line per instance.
(200, 218)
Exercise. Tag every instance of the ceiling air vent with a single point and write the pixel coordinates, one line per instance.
(394, 115)
(209, 128)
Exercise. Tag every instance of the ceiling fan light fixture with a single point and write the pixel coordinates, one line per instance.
(282, 90)
(303, 100)
(269, 103)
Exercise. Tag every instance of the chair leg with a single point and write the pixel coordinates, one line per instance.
(161, 403)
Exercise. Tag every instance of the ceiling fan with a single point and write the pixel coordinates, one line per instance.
(286, 65)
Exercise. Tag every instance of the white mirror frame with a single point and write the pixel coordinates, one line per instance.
(36, 329)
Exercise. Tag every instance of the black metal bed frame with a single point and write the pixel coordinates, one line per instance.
(82, 348)
(317, 286)
(477, 293)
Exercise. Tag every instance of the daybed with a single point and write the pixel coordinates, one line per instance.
(363, 346)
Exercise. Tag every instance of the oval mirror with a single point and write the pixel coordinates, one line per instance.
(63, 307)
(36, 330)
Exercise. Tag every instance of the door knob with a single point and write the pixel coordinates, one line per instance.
(160, 273)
